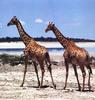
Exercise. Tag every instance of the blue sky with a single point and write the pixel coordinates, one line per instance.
(74, 18)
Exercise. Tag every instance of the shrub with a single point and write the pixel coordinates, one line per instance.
(11, 59)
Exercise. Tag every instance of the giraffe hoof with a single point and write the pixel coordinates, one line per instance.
(54, 86)
(89, 88)
(38, 86)
(79, 89)
(83, 90)
(21, 85)
(64, 88)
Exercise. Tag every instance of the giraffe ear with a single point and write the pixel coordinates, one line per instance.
(53, 24)
(14, 16)
(49, 22)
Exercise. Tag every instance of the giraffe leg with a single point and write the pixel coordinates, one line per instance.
(25, 70)
(48, 63)
(42, 76)
(50, 70)
(67, 69)
(83, 74)
(42, 70)
(76, 74)
(35, 66)
(90, 72)
(89, 82)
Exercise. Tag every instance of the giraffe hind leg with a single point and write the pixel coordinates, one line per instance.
(90, 72)
(48, 63)
(35, 66)
(42, 71)
(50, 70)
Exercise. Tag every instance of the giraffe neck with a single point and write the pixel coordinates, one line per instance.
(62, 39)
(24, 36)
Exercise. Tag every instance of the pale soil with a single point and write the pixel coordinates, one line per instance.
(11, 78)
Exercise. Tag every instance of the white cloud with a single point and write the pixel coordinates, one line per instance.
(38, 20)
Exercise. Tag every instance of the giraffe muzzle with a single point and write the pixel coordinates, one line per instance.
(9, 24)
(46, 30)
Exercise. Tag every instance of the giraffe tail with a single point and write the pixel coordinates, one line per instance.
(47, 59)
(90, 69)
(90, 62)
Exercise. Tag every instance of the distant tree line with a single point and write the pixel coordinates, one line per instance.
(44, 39)
(9, 39)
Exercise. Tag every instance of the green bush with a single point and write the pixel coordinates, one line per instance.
(11, 59)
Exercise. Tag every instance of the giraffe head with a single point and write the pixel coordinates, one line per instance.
(12, 21)
(49, 27)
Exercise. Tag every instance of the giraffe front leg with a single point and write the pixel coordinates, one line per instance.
(67, 69)
(25, 70)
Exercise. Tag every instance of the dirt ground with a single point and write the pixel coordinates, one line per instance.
(11, 78)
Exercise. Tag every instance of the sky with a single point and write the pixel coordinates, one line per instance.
(74, 18)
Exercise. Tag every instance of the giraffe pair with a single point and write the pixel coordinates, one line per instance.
(39, 54)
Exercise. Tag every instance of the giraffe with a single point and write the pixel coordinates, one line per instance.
(39, 54)
(72, 55)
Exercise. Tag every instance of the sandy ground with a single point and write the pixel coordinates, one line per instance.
(11, 78)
